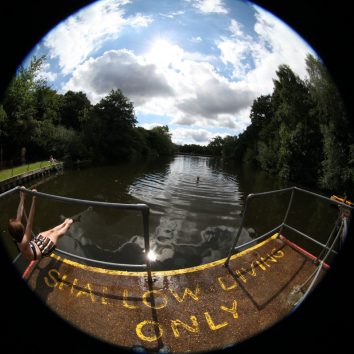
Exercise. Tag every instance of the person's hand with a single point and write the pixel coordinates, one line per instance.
(34, 190)
(22, 194)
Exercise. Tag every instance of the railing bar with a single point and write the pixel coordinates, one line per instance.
(328, 200)
(16, 258)
(89, 202)
(252, 195)
(287, 211)
(10, 191)
(258, 238)
(319, 269)
(100, 262)
(308, 237)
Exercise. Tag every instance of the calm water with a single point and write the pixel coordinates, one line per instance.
(191, 222)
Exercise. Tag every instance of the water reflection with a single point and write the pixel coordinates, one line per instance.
(195, 213)
(192, 221)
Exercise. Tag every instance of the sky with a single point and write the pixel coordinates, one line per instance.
(193, 65)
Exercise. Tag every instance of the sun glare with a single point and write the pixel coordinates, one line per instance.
(152, 256)
(162, 52)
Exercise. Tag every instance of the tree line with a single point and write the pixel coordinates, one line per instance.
(69, 127)
(301, 132)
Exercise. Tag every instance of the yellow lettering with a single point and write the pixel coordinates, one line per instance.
(194, 328)
(194, 296)
(233, 309)
(225, 287)
(87, 292)
(239, 274)
(277, 253)
(154, 305)
(253, 268)
(103, 299)
(261, 265)
(73, 285)
(211, 323)
(271, 258)
(62, 282)
(51, 276)
(264, 260)
(150, 338)
(125, 303)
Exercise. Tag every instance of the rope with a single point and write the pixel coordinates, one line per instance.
(317, 271)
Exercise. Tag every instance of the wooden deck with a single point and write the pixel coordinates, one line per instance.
(188, 310)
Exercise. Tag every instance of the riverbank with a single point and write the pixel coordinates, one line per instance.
(22, 174)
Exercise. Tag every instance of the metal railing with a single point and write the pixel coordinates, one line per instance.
(278, 229)
(143, 208)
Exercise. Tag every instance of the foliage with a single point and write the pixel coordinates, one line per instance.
(301, 132)
(68, 126)
(75, 110)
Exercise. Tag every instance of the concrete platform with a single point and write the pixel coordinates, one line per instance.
(188, 310)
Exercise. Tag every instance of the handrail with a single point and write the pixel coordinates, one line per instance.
(283, 224)
(143, 208)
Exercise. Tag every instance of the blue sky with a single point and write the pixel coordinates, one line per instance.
(194, 65)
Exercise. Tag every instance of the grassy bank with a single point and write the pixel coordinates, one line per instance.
(8, 173)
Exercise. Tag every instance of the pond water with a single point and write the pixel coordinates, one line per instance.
(195, 210)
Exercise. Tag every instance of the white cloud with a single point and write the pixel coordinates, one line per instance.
(194, 136)
(172, 14)
(168, 81)
(196, 39)
(149, 126)
(119, 69)
(210, 6)
(277, 44)
(72, 41)
(191, 136)
(254, 61)
(46, 74)
(180, 85)
(213, 99)
(236, 28)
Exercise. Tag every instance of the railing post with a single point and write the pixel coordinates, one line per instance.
(287, 211)
(146, 211)
(238, 232)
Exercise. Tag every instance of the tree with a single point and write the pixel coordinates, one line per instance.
(298, 156)
(46, 104)
(110, 127)
(160, 140)
(75, 110)
(216, 146)
(19, 104)
(261, 111)
(337, 165)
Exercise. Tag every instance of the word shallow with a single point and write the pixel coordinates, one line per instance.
(194, 309)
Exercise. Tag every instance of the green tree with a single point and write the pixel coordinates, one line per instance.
(216, 145)
(262, 111)
(46, 104)
(19, 104)
(298, 156)
(337, 165)
(109, 130)
(75, 110)
(160, 140)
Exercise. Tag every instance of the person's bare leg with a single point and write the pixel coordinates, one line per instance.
(55, 234)
(58, 227)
